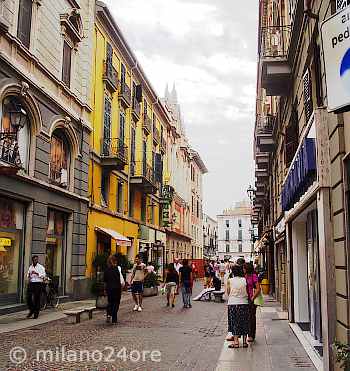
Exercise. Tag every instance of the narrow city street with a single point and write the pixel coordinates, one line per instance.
(181, 339)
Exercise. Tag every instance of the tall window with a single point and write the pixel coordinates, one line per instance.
(227, 223)
(131, 203)
(240, 235)
(239, 223)
(66, 63)
(133, 144)
(227, 248)
(25, 21)
(120, 197)
(104, 188)
(240, 247)
(227, 235)
(144, 157)
(122, 75)
(14, 133)
(107, 125)
(59, 158)
(122, 127)
(145, 107)
(143, 208)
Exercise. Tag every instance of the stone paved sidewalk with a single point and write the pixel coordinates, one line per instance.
(276, 347)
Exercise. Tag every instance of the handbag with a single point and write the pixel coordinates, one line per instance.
(259, 300)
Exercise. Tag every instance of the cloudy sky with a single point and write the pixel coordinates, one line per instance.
(208, 48)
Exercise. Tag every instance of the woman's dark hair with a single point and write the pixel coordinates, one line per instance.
(237, 271)
(171, 268)
(249, 268)
(185, 262)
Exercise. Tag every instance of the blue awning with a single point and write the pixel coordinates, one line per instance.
(301, 175)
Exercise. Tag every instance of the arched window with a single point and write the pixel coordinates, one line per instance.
(14, 132)
(59, 159)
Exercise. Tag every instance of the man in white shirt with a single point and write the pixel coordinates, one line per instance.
(177, 265)
(36, 275)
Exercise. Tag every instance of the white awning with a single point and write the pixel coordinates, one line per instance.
(119, 238)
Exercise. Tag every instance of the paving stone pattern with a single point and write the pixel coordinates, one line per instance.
(188, 339)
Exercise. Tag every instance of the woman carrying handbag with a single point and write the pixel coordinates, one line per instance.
(114, 282)
(255, 298)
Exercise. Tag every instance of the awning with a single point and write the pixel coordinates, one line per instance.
(119, 238)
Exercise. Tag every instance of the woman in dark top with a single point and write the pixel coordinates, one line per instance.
(114, 282)
(171, 282)
(186, 283)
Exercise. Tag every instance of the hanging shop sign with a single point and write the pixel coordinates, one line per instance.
(166, 214)
(5, 242)
(335, 33)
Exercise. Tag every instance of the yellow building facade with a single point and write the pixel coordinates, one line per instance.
(128, 161)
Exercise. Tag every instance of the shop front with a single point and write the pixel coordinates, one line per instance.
(12, 219)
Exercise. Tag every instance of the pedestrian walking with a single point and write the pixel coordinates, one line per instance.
(36, 275)
(238, 308)
(177, 265)
(222, 270)
(114, 282)
(194, 271)
(171, 283)
(253, 289)
(185, 279)
(139, 272)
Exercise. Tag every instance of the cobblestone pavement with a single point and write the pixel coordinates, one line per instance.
(187, 339)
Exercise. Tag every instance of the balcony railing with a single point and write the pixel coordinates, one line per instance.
(110, 76)
(114, 148)
(147, 123)
(125, 94)
(275, 41)
(265, 124)
(156, 135)
(136, 109)
(58, 175)
(9, 151)
(147, 172)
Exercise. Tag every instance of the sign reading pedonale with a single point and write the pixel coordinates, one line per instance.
(335, 33)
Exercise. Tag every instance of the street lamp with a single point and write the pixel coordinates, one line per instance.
(18, 115)
(251, 193)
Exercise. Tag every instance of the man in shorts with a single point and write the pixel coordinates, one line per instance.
(139, 272)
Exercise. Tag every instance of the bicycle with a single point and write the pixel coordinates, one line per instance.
(49, 295)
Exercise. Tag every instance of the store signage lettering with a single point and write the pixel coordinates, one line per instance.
(336, 50)
(342, 4)
(5, 242)
(166, 214)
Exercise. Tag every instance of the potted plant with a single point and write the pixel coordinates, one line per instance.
(342, 353)
(150, 285)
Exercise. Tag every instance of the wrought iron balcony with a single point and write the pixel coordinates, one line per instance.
(9, 152)
(125, 94)
(58, 175)
(156, 135)
(147, 124)
(143, 178)
(274, 49)
(263, 133)
(136, 109)
(114, 153)
(110, 77)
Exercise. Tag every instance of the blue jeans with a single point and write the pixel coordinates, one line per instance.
(186, 293)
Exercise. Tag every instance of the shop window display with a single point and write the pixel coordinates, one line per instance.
(55, 246)
(11, 237)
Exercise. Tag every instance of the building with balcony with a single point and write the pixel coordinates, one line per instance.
(210, 237)
(45, 126)
(301, 201)
(126, 165)
(235, 232)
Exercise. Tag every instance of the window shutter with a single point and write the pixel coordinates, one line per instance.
(307, 95)
(106, 126)
(138, 93)
(66, 63)
(292, 136)
(25, 21)
(158, 167)
(122, 128)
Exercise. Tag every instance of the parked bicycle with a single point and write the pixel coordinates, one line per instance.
(49, 295)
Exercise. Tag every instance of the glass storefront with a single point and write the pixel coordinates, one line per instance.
(11, 250)
(56, 247)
